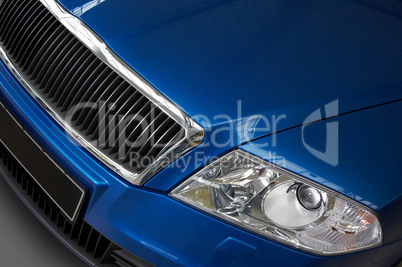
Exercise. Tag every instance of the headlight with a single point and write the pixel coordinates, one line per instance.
(254, 194)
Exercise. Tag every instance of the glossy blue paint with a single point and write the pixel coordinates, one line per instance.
(153, 225)
(150, 223)
(279, 58)
(236, 248)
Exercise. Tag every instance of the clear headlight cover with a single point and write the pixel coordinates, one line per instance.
(254, 194)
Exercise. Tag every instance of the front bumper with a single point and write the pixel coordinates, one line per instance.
(150, 224)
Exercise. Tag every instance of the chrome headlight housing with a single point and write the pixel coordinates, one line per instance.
(280, 205)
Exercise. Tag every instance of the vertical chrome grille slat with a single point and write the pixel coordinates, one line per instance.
(138, 131)
(139, 110)
(159, 133)
(8, 17)
(115, 98)
(55, 64)
(126, 97)
(13, 20)
(34, 44)
(120, 129)
(138, 127)
(147, 145)
(88, 86)
(49, 57)
(77, 82)
(29, 32)
(26, 23)
(173, 131)
(19, 20)
(3, 5)
(44, 45)
(168, 125)
(105, 78)
(66, 75)
(39, 62)
(120, 88)
(93, 89)
(72, 76)
(51, 84)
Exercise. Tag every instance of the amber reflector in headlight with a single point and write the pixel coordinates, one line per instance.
(270, 201)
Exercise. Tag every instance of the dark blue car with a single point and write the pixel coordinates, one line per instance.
(207, 132)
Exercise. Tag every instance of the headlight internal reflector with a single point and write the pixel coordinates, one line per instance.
(270, 201)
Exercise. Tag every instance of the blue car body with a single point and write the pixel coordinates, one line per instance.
(279, 58)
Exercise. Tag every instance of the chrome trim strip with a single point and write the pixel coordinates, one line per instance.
(194, 132)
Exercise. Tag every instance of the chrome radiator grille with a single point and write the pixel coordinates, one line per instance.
(115, 115)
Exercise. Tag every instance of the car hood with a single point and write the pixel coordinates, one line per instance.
(284, 63)
(223, 60)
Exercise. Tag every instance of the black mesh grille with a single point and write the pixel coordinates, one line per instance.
(80, 237)
(101, 106)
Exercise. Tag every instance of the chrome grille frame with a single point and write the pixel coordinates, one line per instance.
(194, 133)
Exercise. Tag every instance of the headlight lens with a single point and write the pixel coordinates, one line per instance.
(252, 193)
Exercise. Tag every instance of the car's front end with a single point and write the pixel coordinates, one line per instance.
(206, 132)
